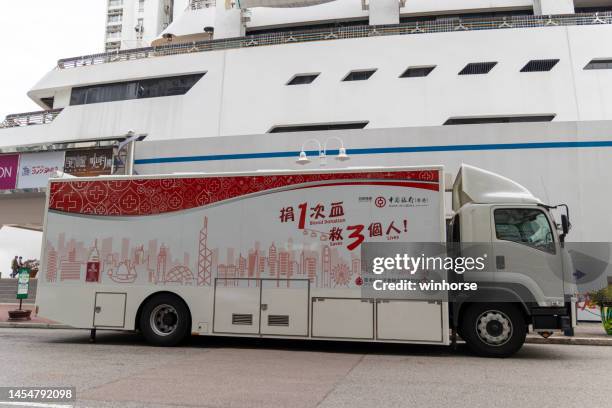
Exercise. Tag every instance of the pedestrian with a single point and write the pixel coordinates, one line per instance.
(15, 266)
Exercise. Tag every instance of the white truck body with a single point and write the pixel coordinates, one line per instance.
(265, 254)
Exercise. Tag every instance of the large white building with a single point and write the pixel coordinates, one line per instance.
(519, 87)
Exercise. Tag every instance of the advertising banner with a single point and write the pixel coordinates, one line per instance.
(23, 283)
(183, 230)
(89, 163)
(9, 166)
(36, 168)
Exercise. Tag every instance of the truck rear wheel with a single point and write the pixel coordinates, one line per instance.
(493, 330)
(165, 320)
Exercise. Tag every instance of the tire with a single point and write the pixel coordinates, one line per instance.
(165, 320)
(493, 330)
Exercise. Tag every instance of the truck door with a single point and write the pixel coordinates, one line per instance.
(261, 306)
(284, 307)
(237, 306)
(527, 252)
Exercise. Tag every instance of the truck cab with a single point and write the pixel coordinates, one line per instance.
(528, 279)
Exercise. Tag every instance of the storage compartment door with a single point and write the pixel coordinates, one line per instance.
(236, 306)
(343, 318)
(284, 307)
(409, 320)
(109, 310)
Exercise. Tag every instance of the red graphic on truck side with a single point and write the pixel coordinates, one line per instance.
(157, 196)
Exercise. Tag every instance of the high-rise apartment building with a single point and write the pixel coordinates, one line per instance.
(135, 23)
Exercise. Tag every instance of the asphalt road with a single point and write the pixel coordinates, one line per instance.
(121, 371)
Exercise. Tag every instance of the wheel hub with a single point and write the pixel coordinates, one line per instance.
(164, 320)
(494, 328)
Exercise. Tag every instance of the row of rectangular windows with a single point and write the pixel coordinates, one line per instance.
(180, 85)
(470, 120)
(473, 68)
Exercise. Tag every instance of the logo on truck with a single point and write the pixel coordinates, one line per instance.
(380, 202)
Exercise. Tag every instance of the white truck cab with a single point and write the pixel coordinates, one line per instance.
(529, 275)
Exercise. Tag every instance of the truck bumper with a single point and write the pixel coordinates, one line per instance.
(552, 318)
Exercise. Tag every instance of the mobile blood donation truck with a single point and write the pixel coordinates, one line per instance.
(278, 254)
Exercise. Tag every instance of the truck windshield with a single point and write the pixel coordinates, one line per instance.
(525, 226)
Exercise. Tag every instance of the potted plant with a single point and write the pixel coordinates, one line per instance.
(603, 299)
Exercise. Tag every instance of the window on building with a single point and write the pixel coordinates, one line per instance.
(599, 64)
(302, 79)
(318, 127)
(472, 120)
(359, 75)
(415, 72)
(122, 91)
(477, 68)
(540, 65)
(524, 226)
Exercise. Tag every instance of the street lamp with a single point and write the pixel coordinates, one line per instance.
(342, 155)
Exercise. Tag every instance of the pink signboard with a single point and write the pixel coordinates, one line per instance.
(9, 166)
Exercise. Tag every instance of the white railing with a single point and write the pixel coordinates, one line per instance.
(287, 37)
(200, 4)
(30, 118)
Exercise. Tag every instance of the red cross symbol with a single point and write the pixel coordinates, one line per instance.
(67, 203)
(129, 202)
(96, 193)
(175, 201)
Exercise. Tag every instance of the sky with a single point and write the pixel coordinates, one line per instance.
(35, 34)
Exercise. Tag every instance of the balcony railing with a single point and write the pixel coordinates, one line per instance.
(200, 4)
(30, 118)
(412, 28)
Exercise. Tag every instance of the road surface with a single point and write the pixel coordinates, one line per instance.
(121, 371)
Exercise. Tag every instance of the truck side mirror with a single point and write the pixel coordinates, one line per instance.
(565, 225)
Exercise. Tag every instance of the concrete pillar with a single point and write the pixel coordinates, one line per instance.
(545, 7)
(228, 22)
(384, 12)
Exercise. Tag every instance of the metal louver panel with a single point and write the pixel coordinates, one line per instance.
(242, 319)
(278, 320)
(477, 68)
(540, 65)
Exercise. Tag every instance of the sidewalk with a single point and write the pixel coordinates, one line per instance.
(36, 322)
(590, 334)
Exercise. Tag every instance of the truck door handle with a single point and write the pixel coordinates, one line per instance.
(500, 262)
(264, 307)
(98, 309)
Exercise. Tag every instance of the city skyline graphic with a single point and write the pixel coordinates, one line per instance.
(155, 262)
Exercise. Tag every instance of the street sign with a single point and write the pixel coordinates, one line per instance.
(23, 283)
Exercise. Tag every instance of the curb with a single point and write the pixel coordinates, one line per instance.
(575, 341)
(19, 325)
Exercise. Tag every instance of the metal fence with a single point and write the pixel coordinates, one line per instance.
(30, 118)
(412, 28)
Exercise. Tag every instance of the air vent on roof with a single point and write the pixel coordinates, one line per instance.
(499, 119)
(318, 127)
(302, 79)
(360, 75)
(477, 68)
(242, 319)
(278, 320)
(414, 72)
(540, 65)
(599, 64)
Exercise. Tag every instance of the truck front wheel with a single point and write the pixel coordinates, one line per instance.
(165, 320)
(493, 330)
